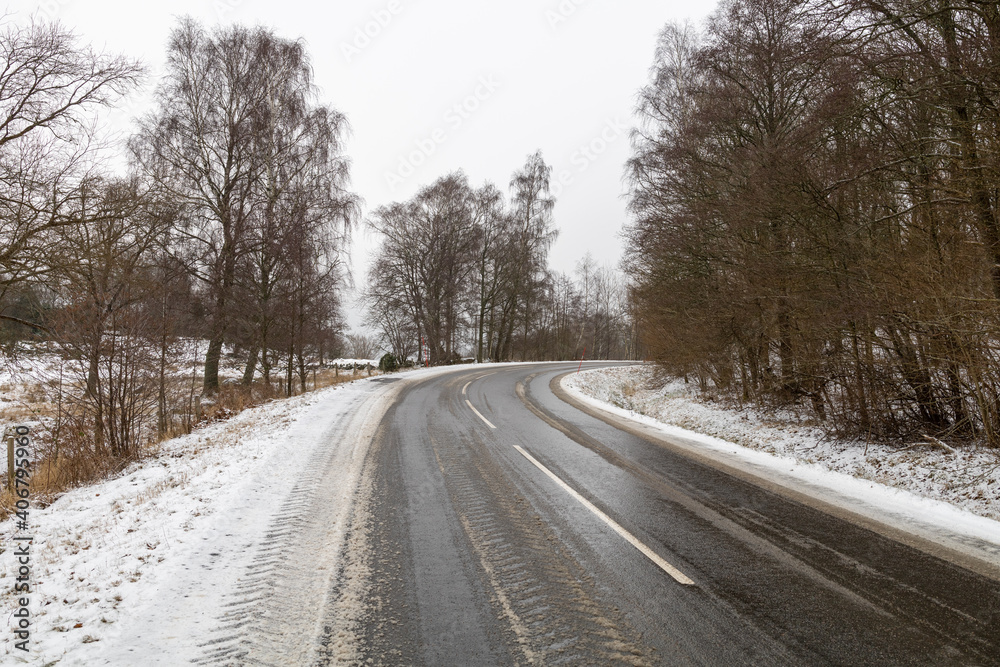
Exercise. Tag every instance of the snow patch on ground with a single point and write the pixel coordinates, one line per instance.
(348, 363)
(928, 491)
(155, 549)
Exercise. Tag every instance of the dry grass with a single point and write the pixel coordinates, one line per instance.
(329, 377)
(234, 398)
(61, 461)
(63, 447)
(157, 489)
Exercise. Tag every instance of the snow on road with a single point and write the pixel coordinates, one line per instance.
(952, 499)
(177, 558)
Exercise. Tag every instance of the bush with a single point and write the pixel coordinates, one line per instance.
(388, 363)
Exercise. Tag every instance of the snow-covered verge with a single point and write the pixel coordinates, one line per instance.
(926, 490)
(137, 569)
(350, 363)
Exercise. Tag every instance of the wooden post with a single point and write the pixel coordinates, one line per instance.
(10, 464)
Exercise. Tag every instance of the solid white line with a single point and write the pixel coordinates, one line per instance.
(480, 414)
(678, 576)
(466, 387)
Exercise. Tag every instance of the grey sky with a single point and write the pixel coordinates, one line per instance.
(431, 86)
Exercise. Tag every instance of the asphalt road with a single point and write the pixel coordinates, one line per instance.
(507, 526)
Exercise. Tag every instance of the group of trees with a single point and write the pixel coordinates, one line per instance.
(815, 197)
(254, 165)
(466, 271)
(230, 226)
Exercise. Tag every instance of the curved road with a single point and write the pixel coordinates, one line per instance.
(508, 526)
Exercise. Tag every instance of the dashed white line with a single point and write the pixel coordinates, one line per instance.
(678, 576)
(479, 413)
(466, 387)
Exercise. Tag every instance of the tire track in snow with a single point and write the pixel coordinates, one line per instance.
(279, 610)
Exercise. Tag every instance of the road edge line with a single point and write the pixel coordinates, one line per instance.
(952, 552)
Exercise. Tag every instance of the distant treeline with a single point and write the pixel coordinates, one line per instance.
(815, 194)
(466, 271)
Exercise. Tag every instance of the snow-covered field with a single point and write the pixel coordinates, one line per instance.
(139, 569)
(949, 497)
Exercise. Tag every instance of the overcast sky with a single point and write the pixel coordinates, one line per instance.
(432, 86)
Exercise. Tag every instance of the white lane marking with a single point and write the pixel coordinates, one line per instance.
(477, 378)
(480, 414)
(678, 576)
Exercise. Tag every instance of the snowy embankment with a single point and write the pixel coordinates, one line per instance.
(952, 498)
(146, 568)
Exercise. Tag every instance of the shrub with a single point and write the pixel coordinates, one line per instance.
(388, 363)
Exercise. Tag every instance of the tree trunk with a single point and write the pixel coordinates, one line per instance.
(980, 190)
(303, 373)
(161, 398)
(212, 358)
(251, 366)
(94, 391)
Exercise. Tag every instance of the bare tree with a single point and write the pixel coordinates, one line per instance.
(425, 261)
(298, 234)
(495, 246)
(104, 286)
(49, 88)
(395, 326)
(201, 148)
(531, 210)
(363, 346)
